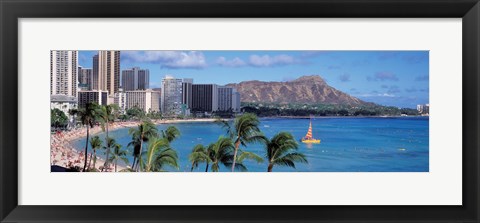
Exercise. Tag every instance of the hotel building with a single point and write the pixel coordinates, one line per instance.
(64, 73)
(187, 92)
(225, 98)
(108, 71)
(171, 96)
(204, 98)
(94, 81)
(146, 100)
(98, 96)
(84, 76)
(135, 79)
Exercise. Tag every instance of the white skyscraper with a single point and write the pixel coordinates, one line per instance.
(64, 73)
(171, 96)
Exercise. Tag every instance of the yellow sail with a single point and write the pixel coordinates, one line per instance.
(309, 137)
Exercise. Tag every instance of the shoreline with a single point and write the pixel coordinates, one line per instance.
(64, 154)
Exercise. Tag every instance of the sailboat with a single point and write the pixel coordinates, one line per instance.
(309, 137)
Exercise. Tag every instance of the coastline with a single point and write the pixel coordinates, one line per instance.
(64, 154)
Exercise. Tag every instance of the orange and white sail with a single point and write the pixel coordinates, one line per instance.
(309, 133)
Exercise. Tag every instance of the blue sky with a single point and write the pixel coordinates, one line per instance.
(396, 78)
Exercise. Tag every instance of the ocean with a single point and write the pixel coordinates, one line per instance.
(348, 144)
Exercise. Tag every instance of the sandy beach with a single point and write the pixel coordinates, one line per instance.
(62, 152)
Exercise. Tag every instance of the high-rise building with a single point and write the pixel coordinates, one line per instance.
(98, 96)
(146, 100)
(204, 98)
(225, 96)
(84, 76)
(94, 83)
(135, 79)
(64, 73)
(120, 99)
(171, 96)
(236, 101)
(187, 92)
(109, 71)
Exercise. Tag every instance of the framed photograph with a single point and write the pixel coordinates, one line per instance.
(223, 111)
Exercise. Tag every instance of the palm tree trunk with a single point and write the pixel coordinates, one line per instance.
(270, 167)
(140, 154)
(193, 163)
(90, 161)
(206, 169)
(108, 149)
(94, 158)
(86, 149)
(115, 165)
(133, 163)
(237, 144)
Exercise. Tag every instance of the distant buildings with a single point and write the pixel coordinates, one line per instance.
(94, 81)
(236, 101)
(64, 73)
(72, 86)
(171, 96)
(120, 99)
(146, 100)
(84, 77)
(135, 79)
(204, 98)
(423, 109)
(187, 92)
(98, 96)
(225, 98)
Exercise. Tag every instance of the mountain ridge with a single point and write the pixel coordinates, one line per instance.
(308, 89)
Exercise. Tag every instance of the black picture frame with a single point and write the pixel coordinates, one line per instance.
(11, 11)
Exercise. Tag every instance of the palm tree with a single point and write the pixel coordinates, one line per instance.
(87, 116)
(222, 152)
(158, 155)
(142, 133)
(107, 114)
(95, 143)
(199, 155)
(118, 154)
(281, 151)
(245, 130)
(110, 143)
(135, 143)
(171, 133)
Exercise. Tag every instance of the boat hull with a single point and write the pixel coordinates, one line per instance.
(311, 141)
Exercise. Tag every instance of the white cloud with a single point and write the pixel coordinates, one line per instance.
(168, 59)
(268, 61)
(376, 95)
(235, 62)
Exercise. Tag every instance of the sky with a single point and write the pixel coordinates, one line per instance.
(393, 78)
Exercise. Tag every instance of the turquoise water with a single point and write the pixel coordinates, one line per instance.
(348, 144)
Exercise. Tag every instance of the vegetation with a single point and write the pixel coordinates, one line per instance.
(199, 155)
(281, 151)
(159, 154)
(273, 110)
(145, 131)
(245, 130)
(87, 117)
(58, 119)
(95, 143)
(118, 154)
(107, 114)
